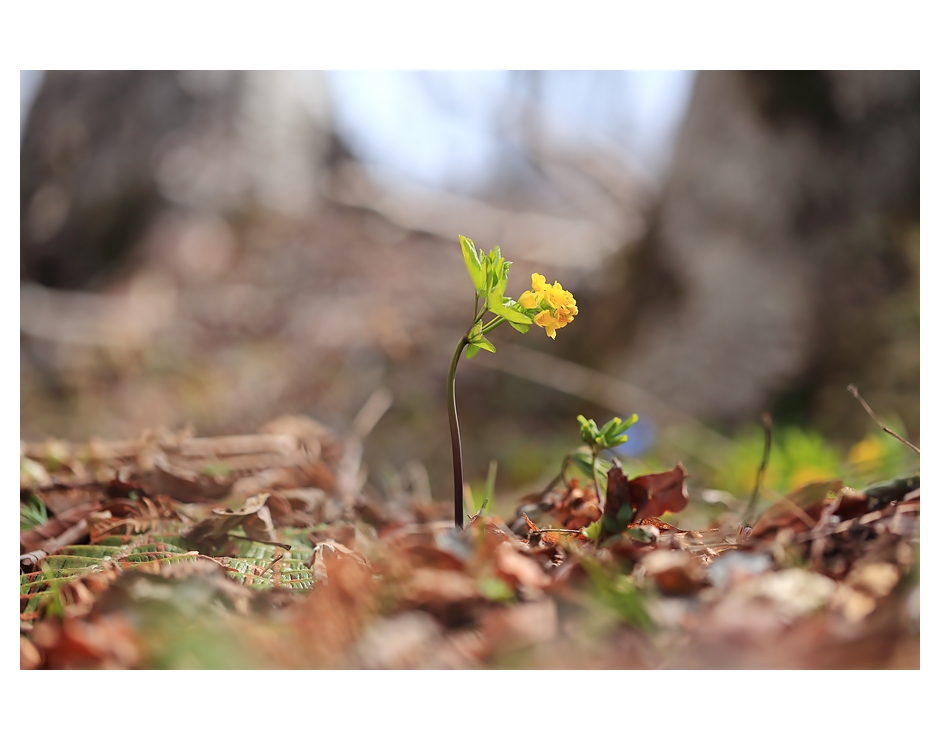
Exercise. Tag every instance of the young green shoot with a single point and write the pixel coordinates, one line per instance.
(607, 437)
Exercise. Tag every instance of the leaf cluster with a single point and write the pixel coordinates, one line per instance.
(489, 274)
(608, 436)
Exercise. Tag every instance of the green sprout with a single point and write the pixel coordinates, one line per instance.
(547, 306)
(607, 437)
(33, 512)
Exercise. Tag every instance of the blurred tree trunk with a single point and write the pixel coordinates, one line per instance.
(107, 155)
(783, 257)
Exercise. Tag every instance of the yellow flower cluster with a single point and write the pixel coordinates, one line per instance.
(558, 305)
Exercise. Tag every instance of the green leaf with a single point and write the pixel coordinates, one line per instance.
(513, 315)
(490, 490)
(619, 594)
(608, 436)
(472, 349)
(494, 589)
(609, 425)
(33, 512)
(626, 424)
(521, 328)
(624, 515)
(492, 265)
(472, 260)
(581, 458)
(482, 343)
(589, 431)
(639, 534)
(502, 275)
(593, 530)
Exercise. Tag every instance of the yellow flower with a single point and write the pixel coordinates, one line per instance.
(548, 322)
(529, 300)
(558, 305)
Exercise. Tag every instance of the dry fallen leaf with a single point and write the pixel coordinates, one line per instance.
(645, 497)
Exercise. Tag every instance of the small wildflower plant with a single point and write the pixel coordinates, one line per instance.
(549, 307)
(604, 438)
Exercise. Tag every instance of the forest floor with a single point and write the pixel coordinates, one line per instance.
(271, 550)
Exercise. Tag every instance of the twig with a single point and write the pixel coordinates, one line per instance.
(748, 512)
(70, 536)
(271, 564)
(854, 391)
(559, 477)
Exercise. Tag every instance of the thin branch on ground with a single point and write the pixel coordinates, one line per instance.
(854, 391)
(749, 511)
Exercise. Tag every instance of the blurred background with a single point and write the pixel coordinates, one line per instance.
(216, 249)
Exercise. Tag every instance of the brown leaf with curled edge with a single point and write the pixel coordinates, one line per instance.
(260, 526)
(655, 494)
(213, 532)
(530, 527)
(332, 550)
(648, 496)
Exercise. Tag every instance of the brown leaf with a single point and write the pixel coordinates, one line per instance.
(518, 569)
(246, 444)
(37, 537)
(259, 526)
(182, 484)
(655, 494)
(798, 511)
(449, 595)
(405, 641)
(519, 626)
(212, 532)
(428, 556)
(618, 492)
(675, 572)
(331, 550)
(30, 657)
(546, 537)
(648, 496)
(59, 501)
(577, 507)
(530, 526)
(79, 644)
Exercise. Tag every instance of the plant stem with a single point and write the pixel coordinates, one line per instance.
(455, 433)
(597, 485)
(487, 328)
(560, 477)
